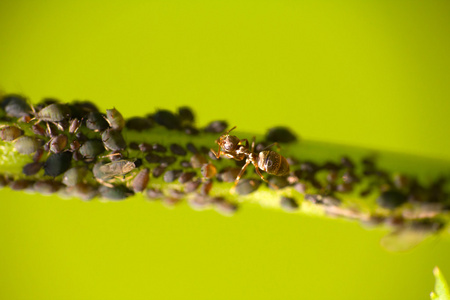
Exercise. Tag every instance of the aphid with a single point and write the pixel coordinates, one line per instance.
(191, 147)
(141, 180)
(217, 127)
(144, 147)
(192, 185)
(278, 182)
(115, 119)
(267, 160)
(198, 160)
(113, 140)
(185, 164)
(15, 106)
(208, 170)
(280, 135)
(189, 130)
(206, 187)
(80, 109)
(139, 123)
(46, 187)
(185, 115)
(153, 158)
(167, 119)
(229, 174)
(38, 155)
(288, 204)
(20, 184)
(58, 143)
(32, 168)
(92, 148)
(83, 190)
(391, 199)
(57, 163)
(96, 122)
(247, 186)
(10, 133)
(73, 176)
(159, 148)
(119, 192)
(53, 113)
(153, 193)
(223, 207)
(38, 130)
(186, 176)
(26, 145)
(74, 125)
(158, 171)
(168, 160)
(177, 150)
(105, 172)
(171, 175)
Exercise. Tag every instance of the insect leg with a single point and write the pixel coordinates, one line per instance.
(216, 154)
(240, 174)
(262, 177)
(273, 144)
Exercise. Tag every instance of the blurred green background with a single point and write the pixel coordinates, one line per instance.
(372, 74)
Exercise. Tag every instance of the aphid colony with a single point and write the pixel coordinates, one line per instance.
(83, 153)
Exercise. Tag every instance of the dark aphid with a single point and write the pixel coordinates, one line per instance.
(186, 116)
(113, 140)
(38, 129)
(26, 145)
(144, 147)
(57, 163)
(115, 119)
(141, 180)
(331, 166)
(186, 176)
(229, 174)
(172, 175)
(138, 123)
(154, 193)
(77, 156)
(32, 168)
(80, 109)
(191, 186)
(332, 176)
(119, 192)
(10, 133)
(15, 106)
(58, 143)
(158, 171)
(54, 113)
(74, 125)
(38, 155)
(73, 176)
(280, 135)
(206, 187)
(391, 199)
(168, 160)
(153, 158)
(133, 146)
(190, 130)
(83, 190)
(191, 147)
(177, 150)
(185, 164)
(3, 181)
(92, 148)
(46, 187)
(401, 182)
(216, 127)
(347, 163)
(247, 186)
(288, 204)
(314, 198)
(209, 170)
(167, 119)
(309, 167)
(159, 148)
(96, 122)
(21, 184)
(81, 137)
(344, 187)
(198, 160)
(223, 207)
(278, 182)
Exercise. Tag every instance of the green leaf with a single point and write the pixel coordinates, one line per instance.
(441, 291)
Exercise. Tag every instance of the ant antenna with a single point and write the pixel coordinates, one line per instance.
(231, 130)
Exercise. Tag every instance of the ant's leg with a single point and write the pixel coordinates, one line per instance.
(246, 142)
(240, 174)
(262, 177)
(216, 154)
(253, 145)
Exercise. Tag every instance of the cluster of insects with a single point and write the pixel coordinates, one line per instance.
(79, 151)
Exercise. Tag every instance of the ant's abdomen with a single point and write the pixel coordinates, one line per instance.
(273, 163)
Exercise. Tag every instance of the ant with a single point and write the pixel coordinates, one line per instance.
(269, 161)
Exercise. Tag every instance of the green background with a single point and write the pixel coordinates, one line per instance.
(370, 73)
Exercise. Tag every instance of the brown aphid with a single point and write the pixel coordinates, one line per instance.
(38, 155)
(191, 186)
(10, 133)
(223, 207)
(267, 160)
(32, 168)
(153, 193)
(58, 143)
(38, 129)
(141, 180)
(20, 184)
(158, 171)
(186, 176)
(198, 160)
(206, 187)
(74, 125)
(229, 174)
(209, 170)
(26, 145)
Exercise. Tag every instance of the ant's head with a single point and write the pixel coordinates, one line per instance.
(228, 143)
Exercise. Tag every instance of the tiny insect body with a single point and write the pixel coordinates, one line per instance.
(269, 161)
